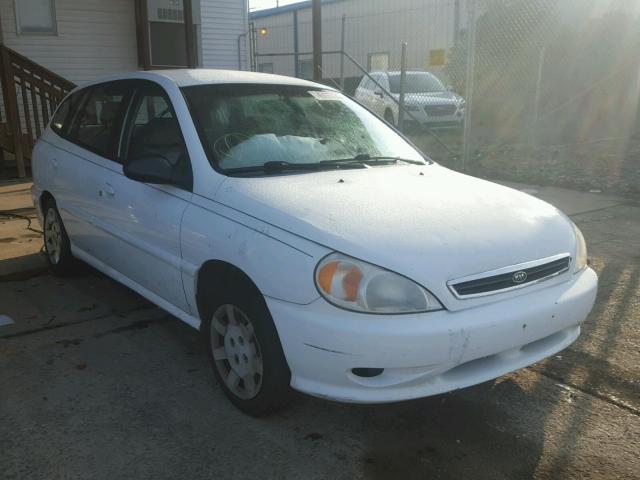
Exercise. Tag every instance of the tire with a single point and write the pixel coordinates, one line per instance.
(56, 242)
(388, 116)
(245, 350)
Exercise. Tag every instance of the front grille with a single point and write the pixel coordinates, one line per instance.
(511, 277)
(439, 110)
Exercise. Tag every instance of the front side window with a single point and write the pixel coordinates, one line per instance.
(244, 126)
(97, 125)
(154, 132)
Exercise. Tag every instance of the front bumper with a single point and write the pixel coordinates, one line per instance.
(430, 353)
(420, 116)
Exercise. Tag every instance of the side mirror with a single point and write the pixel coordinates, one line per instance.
(150, 169)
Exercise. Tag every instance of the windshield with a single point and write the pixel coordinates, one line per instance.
(244, 126)
(416, 82)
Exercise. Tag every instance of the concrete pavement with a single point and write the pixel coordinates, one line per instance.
(95, 382)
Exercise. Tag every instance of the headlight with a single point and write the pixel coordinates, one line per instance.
(581, 250)
(359, 286)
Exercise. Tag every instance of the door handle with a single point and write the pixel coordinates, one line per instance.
(108, 189)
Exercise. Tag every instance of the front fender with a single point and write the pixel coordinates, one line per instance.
(279, 263)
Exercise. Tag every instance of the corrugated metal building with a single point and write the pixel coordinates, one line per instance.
(373, 34)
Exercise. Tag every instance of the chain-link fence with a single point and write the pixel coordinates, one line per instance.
(533, 90)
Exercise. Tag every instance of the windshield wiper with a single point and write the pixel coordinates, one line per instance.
(365, 158)
(279, 166)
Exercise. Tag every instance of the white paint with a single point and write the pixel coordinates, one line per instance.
(425, 222)
(6, 320)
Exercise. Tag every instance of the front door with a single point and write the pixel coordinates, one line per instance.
(145, 218)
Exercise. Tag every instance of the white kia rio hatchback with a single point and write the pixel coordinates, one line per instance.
(310, 243)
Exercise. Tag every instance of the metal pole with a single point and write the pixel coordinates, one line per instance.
(536, 105)
(240, 48)
(344, 20)
(471, 60)
(296, 57)
(403, 79)
(456, 21)
(254, 46)
(190, 36)
(317, 39)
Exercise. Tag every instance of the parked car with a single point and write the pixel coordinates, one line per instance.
(311, 245)
(427, 100)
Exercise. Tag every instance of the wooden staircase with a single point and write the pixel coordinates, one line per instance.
(30, 94)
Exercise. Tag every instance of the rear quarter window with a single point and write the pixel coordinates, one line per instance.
(97, 125)
(66, 112)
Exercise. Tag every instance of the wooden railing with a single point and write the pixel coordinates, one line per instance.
(30, 95)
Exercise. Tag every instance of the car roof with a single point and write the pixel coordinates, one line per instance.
(204, 76)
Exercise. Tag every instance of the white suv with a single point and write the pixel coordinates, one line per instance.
(427, 100)
(310, 244)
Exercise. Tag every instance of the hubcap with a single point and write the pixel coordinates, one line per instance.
(53, 236)
(236, 351)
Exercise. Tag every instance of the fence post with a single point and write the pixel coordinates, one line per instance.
(316, 12)
(344, 18)
(536, 105)
(470, 74)
(296, 47)
(403, 79)
(11, 109)
(253, 43)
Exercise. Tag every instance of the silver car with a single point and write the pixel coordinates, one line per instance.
(427, 100)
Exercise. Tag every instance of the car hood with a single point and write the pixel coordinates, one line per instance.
(429, 223)
(433, 98)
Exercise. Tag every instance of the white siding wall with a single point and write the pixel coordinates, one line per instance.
(95, 37)
(222, 22)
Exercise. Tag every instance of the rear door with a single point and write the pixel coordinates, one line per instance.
(143, 219)
(85, 151)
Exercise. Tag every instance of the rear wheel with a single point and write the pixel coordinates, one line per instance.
(245, 351)
(56, 242)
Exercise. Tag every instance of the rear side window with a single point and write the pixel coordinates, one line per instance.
(97, 125)
(65, 112)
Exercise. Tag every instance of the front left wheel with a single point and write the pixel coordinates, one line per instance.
(245, 351)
